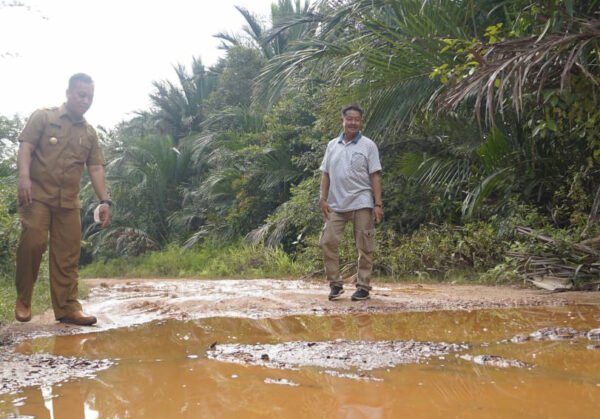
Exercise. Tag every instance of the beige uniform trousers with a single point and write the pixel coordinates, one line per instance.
(364, 232)
(64, 226)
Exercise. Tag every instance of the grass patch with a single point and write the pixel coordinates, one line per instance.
(8, 294)
(208, 261)
(250, 262)
(41, 300)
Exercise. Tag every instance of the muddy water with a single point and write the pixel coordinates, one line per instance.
(163, 369)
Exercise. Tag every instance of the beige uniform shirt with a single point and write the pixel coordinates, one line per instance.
(62, 148)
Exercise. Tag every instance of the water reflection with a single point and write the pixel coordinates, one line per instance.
(162, 370)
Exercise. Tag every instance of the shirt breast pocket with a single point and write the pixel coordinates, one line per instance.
(83, 147)
(52, 139)
(359, 163)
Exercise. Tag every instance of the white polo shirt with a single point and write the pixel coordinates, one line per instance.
(349, 166)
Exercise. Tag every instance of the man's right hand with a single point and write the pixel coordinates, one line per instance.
(24, 191)
(325, 208)
(24, 194)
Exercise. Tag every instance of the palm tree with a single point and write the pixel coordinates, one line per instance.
(385, 53)
(273, 41)
(147, 176)
(250, 163)
(565, 47)
(382, 50)
(179, 109)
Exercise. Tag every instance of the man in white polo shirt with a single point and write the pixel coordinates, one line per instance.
(350, 192)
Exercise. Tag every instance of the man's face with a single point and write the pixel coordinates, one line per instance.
(352, 123)
(80, 98)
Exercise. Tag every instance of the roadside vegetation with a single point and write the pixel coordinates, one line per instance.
(218, 261)
(485, 113)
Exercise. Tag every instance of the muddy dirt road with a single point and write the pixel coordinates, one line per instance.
(120, 304)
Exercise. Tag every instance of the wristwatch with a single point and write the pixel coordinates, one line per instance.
(107, 202)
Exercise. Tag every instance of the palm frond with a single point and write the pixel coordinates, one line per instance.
(228, 40)
(525, 66)
(475, 197)
(452, 174)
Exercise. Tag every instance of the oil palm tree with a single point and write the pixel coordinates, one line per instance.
(562, 44)
(274, 40)
(382, 50)
(384, 53)
(147, 176)
(179, 109)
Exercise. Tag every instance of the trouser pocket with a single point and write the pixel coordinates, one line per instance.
(366, 240)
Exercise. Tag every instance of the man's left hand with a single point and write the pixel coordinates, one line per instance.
(378, 214)
(104, 213)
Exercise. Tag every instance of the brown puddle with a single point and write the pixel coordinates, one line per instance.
(163, 369)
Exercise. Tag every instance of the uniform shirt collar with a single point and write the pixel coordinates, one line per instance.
(64, 114)
(357, 137)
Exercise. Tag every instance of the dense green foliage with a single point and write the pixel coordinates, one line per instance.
(9, 226)
(485, 113)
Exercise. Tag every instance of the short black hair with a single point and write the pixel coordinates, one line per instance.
(352, 107)
(79, 77)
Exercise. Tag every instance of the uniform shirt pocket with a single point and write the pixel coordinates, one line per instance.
(52, 139)
(81, 149)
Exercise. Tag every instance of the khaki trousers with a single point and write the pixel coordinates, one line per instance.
(364, 232)
(64, 226)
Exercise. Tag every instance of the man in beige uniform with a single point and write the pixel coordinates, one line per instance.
(55, 145)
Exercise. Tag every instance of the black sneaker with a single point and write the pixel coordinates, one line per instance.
(335, 292)
(360, 294)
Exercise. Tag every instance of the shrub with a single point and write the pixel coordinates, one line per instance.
(9, 230)
(440, 251)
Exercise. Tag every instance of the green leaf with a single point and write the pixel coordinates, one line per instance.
(551, 125)
(538, 129)
(569, 7)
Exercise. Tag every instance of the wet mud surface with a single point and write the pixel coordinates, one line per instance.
(122, 303)
(125, 306)
(369, 355)
(339, 354)
(20, 370)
